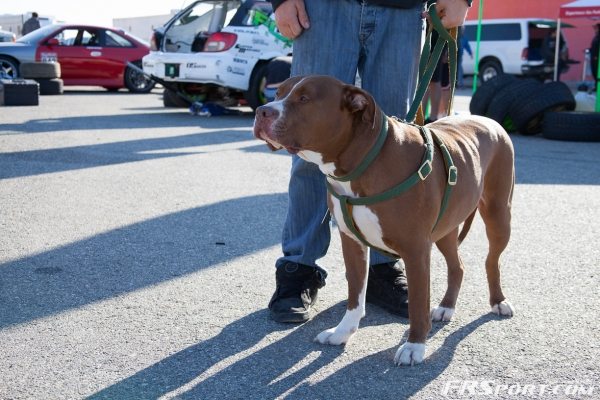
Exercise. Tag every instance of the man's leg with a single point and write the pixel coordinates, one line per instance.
(391, 47)
(329, 47)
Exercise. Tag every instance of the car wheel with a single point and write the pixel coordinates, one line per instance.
(489, 69)
(527, 111)
(485, 93)
(255, 96)
(502, 101)
(9, 68)
(576, 126)
(137, 82)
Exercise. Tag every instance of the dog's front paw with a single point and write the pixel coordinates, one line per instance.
(440, 313)
(504, 308)
(334, 336)
(410, 354)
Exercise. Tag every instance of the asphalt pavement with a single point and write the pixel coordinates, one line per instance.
(137, 250)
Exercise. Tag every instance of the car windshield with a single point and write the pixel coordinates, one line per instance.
(38, 34)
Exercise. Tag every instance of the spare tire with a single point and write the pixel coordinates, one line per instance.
(50, 86)
(484, 94)
(527, 111)
(41, 70)
(575, 126)
(501, 102)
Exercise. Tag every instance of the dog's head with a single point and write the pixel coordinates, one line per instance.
(315, 113)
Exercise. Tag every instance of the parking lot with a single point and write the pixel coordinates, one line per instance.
(137, 249)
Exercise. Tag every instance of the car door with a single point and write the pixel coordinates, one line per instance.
(79, 51)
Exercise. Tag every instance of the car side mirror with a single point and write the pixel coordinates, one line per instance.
(52, 42)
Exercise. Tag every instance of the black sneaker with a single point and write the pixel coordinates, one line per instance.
(296, 292)
(387, 288)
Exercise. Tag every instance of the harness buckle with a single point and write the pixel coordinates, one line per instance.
(452, 175)
(425, 170)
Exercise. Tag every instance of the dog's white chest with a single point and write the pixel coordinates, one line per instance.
(365, 220)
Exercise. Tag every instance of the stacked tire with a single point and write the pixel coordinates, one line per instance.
(46, 74)
(521, 104)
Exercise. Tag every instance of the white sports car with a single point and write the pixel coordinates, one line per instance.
(218, 51)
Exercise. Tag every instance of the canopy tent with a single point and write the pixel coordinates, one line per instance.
(578, 9)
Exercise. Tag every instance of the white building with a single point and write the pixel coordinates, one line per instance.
(142, 27)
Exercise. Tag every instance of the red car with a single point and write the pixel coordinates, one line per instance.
(88, 56)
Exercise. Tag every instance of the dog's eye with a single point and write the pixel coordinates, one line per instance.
(304, 98)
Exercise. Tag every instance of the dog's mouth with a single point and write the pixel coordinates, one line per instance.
(272, 143)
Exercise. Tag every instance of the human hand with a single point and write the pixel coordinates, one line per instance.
(452, 13)
(291, 18)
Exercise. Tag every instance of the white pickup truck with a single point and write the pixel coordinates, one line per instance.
(217, 51)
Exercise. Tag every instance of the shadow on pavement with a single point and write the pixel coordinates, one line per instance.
(208, 371)
(126, 121)
(134, 257)
(36, 162)
(543, 161)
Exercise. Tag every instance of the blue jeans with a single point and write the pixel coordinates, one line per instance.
(345, 37)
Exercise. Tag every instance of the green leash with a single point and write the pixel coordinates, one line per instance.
(428, 62)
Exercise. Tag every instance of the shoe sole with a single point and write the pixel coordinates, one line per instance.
(290, 318)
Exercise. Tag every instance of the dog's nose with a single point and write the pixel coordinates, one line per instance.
(267, 112)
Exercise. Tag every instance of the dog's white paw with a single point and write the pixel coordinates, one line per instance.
(335, 336)
(410, 354)
(504, 308)
(440, 313)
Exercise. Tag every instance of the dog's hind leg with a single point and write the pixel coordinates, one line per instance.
(356, 260)
(495, 210)
(448, 246)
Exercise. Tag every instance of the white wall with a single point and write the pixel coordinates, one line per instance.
(142, 27)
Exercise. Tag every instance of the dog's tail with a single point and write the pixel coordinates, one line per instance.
(466, 226)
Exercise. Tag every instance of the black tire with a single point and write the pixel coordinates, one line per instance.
(527, 111)
(40, 70)
(137, 82)
(172, 99)
(490, 69)
(484, 94)
(255, 96)
(575, 126)
(500, 104)
(9, 68)
(50, 86)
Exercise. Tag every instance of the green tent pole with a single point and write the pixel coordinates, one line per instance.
(597, 85)
(476, 69)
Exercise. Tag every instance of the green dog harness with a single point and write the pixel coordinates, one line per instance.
(346, 202)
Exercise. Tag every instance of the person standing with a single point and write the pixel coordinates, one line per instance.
(31, 24)
(595, 47)
(463, 45)
(381, 40)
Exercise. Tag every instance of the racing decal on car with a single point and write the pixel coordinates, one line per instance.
(260, 18)
(236, 71)
(194, 65)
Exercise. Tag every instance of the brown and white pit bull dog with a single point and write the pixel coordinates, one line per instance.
(335, 126)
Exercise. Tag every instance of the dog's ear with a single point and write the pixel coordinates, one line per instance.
(357, 100)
